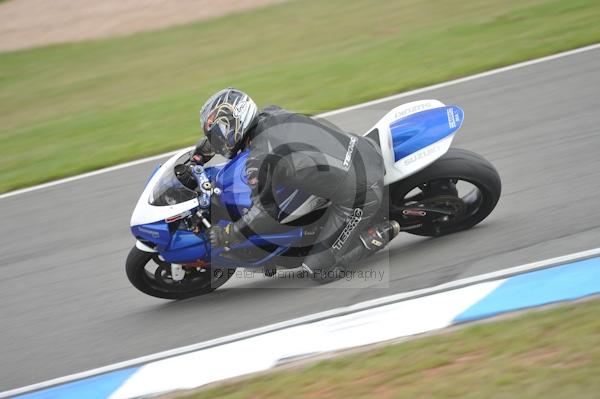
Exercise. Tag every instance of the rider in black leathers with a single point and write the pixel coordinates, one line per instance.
(301, 153)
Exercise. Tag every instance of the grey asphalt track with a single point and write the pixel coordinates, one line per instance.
(67, 306)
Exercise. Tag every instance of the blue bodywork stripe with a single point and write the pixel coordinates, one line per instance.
(561, 283)
(415, 132)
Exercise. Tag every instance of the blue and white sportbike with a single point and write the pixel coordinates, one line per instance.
(431, 190)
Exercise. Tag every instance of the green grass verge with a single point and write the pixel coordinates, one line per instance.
(548, 354)
(76, 107)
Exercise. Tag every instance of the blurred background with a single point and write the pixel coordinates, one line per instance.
(86, 84)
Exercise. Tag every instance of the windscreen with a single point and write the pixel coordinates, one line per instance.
(168, 190)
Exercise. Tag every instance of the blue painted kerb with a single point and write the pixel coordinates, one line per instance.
(98, 387)
(560, 283)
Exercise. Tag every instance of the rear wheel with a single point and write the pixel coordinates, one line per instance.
(152, 275)
(453, 194)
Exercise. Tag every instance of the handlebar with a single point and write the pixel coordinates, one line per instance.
(205, 190)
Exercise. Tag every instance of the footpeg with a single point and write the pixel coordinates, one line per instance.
(380, 235)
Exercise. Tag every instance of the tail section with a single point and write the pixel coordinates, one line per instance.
(414, 135)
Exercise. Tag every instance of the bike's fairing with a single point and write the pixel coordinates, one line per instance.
(414, 135)
(155, 219)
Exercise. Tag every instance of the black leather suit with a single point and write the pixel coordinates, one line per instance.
(295, 151)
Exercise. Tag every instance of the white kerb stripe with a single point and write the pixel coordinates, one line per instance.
(263, 352)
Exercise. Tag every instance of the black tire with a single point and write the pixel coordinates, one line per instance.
(455, 164)
(141, 279)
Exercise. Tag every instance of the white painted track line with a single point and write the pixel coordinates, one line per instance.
(323, 115)
(496, 275)
(86, 175)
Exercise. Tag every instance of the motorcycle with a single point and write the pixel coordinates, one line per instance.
(431, 190)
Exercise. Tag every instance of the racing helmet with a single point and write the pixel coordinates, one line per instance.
(226, 118)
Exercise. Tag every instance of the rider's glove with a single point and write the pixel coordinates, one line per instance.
(203, 152)
(224, 237)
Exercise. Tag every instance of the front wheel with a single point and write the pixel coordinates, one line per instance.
(152, 275)
(454, 193)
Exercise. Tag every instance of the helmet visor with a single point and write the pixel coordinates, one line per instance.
(222, 130)
(221, 138)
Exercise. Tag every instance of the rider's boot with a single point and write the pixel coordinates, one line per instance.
(370, 241)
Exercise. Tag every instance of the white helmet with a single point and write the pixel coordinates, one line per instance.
(226, 118)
